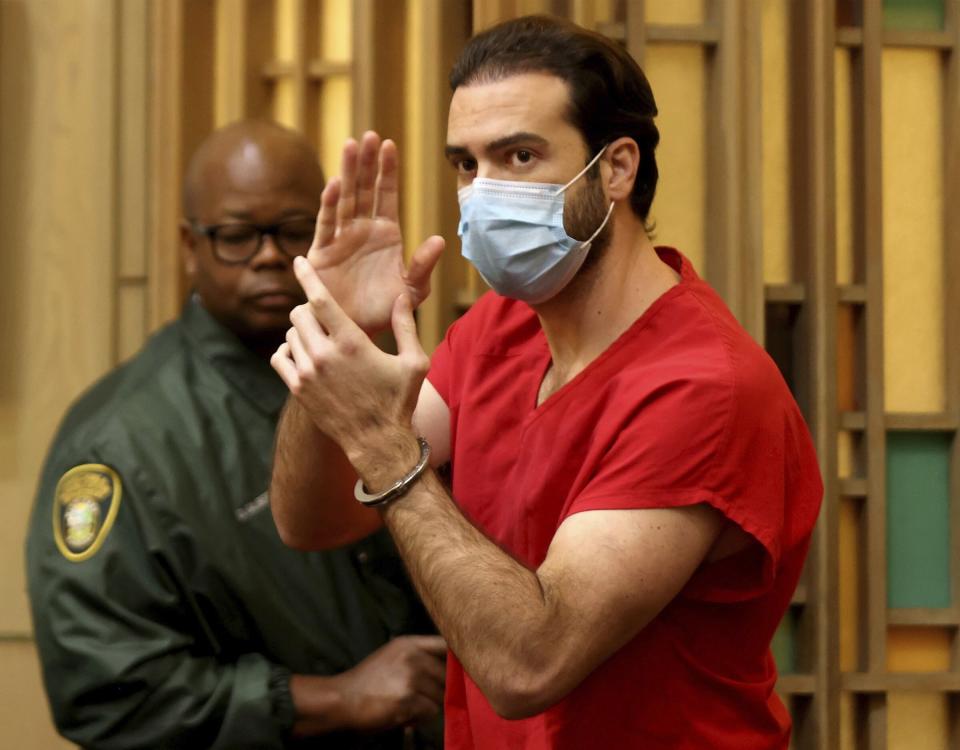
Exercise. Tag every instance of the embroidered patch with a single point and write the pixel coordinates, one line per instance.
(85, 505)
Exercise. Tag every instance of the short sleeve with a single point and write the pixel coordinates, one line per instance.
(719, 442)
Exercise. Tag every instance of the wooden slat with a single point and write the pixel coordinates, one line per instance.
(817, 256)
(259, 40)
(441, 28)
(274, 70)
(133, 72)
(915, 38)
(920, 616)
(852, 488)
(706, 34)
(796, 684)
(131, 320)
(951, 280)
(800, 596)
(379, 31)
(882, 682)
(317, 70)
(871, 222)
(943, 422)
(724, 183)
(166, 149)
(852, 36)
(853, 420)
(852, 293)
(788, 293)
(752, 305)
(849, 36)
(299, 73)
(871, 720)
(634, 32)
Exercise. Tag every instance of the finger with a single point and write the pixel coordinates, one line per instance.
(427, 683)
(433, 667)
(347, 205)
(281, 362)
(386, 202)
(422, 707)
(311, 337)
(299, 356)
(422, 263)
(432, 644)
(327, 217)
(325, 308)
(405, 328)
(367, 173)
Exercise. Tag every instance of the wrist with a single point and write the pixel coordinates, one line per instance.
(383, 460)
(319, 705)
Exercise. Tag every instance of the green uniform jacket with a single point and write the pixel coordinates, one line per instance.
(167, 611)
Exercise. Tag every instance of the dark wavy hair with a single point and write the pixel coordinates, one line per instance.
(610, 96)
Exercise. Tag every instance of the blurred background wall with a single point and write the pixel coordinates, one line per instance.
(810, 168)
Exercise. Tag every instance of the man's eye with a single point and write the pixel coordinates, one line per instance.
(466, 166)
(298, 231)
(522, 157)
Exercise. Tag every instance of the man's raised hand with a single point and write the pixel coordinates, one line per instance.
(358, 247)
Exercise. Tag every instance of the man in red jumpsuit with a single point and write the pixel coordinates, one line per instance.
(633, 486)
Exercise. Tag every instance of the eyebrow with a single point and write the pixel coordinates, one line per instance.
(287, 213)
(500, 143)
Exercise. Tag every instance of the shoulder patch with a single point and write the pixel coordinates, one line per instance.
(85, 504)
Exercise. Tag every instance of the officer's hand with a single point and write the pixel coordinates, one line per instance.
(399, 683)
(358, 247)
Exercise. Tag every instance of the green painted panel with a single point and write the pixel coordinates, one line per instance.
(918, 519)
(783, 644)
(923, 15)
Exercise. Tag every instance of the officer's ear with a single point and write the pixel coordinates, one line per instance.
(188, 248)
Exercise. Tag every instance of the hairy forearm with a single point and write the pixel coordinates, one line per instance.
(506, 627)
(311, 489)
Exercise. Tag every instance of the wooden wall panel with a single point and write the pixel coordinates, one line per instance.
(24, 718)
(676, 11)
(916, 721)
(678, 75)
(57, 203)
(913, 230)
(66, 152)
(776, 196)
(846, 187)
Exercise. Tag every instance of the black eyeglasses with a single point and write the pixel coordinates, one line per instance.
(237, 243)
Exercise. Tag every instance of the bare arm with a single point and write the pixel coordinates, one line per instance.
(526, 637)
(358, 252)
(311, 492)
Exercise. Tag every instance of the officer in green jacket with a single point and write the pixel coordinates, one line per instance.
(167, 611)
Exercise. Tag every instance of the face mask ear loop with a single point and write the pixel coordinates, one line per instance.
(602, 225)
(583, 171)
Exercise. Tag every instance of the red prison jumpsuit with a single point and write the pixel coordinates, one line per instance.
(683, 408)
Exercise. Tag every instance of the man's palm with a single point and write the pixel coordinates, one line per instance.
(358, 248)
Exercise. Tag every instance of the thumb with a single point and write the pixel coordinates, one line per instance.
(421, 266)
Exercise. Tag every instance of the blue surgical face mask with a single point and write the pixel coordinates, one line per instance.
(512, 233)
